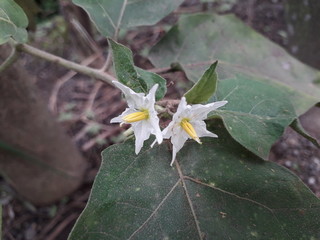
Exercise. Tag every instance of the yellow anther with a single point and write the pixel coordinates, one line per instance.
(137, 116)
(187, 126)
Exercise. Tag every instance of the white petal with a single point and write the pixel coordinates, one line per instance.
(174, 154)
(134, 100)
(154, 142)
(167, 132)
(201, 129)
(177, 140)
(200, 112)
(154, 122)
(182, 107)
(152, 95)
(119, 118)
(141, 133)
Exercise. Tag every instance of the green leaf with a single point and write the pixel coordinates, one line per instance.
(110, 15)
(256, 113)
(296, 125)
(136, 78)
(13, 22)
(205, 87)
(225, 192)
(198, 40)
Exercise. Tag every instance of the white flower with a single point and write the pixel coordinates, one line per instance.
(187, 123)
(140, 114)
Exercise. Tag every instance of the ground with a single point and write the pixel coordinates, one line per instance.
(85, 107)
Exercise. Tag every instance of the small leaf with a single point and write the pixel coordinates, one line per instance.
(13, 22)
(136, 78)
(296, 125)
(256, 114)
(109, 16)
(204, 88)
(217, 190)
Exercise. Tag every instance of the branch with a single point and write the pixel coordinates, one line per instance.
(95, 73)
(106, 65)
(10, 60)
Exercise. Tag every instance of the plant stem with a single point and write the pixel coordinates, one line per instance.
(107, 63)
(95, 73)
(10, 60)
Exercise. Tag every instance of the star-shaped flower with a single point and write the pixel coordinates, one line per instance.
(140, 114)
(187, 123)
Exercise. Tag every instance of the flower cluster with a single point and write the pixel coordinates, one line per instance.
(187, 122)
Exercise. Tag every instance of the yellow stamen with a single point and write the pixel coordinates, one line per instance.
(187, 126)
(137, 116)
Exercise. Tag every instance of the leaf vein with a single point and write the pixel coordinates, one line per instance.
(229, 193)
(108, 16)
(155, 210)
(189, 200)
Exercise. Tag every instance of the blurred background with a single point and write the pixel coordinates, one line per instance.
(77, 109)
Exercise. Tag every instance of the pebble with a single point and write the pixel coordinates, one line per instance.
(288, 163)
(311, 180)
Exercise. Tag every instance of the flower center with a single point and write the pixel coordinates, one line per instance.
(187, 126)
(136, 116)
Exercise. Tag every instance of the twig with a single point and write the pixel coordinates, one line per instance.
(124, 4)
(106, 66)
(81, 133)
(85, 35)
(92, 96)
(62, 226)
(61, 81)
(103, 135)
(107, 63)
(250, 12)
(95, 73)
(10, 60)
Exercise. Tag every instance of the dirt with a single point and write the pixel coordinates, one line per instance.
(85, 108)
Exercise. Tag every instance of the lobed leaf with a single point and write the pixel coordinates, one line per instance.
(111, 15)
(13, 22)
(205, 87)
(256, 114)
(136, 78)
(199, 39)
(225, 192)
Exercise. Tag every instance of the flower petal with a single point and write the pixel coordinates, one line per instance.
(201, 129)
(134, 100)
(151, 97)
(182, 107)
(142, 133)
(119, 118)
(200, 112)
(178, 140)
(154, 122)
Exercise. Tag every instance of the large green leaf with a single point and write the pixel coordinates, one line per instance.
(110, 15)
(225, 192)
(200, 39)
(257, 112)
(136, 78)
(13, 22)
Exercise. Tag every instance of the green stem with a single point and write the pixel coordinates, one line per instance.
(10, 60)
(95, 73)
